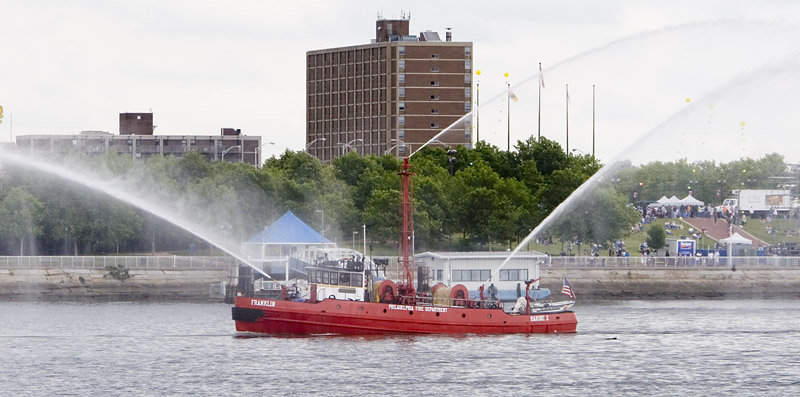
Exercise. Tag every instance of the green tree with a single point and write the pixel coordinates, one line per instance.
(656, 237)
(20, 216)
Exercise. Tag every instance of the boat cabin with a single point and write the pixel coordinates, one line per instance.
(476, 269)
(343, 279)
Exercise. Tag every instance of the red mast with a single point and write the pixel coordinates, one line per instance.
(406, 286)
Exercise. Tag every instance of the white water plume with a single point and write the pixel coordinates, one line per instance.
(654, 71)
(748, 69)
(746, 96)
(139, 190)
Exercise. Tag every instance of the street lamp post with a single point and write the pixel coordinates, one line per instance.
(350, 145)
(313, 142)
(692, 182)
(224, 152)
(402, 144)
(258, 159)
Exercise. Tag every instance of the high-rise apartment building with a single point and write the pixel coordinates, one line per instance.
(389, 96)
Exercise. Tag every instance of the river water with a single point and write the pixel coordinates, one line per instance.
(740, 347)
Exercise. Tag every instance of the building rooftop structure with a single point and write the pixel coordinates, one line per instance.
(389, 96)
(136, 138)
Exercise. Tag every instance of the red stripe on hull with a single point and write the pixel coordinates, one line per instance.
(362, 318)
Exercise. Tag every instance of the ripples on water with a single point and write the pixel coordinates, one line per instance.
(623, 348)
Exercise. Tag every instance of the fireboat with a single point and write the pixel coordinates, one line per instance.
(343, 296)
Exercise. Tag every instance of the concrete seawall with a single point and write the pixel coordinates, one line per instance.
(674, 283)
(182, 279)
(149, 280)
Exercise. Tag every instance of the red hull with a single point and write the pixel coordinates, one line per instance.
(329, 316)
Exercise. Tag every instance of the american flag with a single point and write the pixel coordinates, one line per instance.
(567, 290)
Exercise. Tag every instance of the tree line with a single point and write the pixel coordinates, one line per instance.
(464, 199)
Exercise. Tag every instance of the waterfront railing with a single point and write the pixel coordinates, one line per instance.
(223, 262)
(130, 262)
(671, 262)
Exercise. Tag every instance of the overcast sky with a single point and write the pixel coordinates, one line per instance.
(701, 79)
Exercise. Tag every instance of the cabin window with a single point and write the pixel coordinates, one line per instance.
(439, 275)
(356, 280)
(344, 278)
(324, 277)
(513, 274)
(471, 275)
(334, 278)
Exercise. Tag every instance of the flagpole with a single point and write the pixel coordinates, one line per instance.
(567, 119)
(478, 112)
(539, 136)
(592, 121)
(508, 116)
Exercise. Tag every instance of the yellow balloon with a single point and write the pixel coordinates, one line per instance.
(505, 74)
(745, 170)
(478, 72)
(742, 123)
(688, 100)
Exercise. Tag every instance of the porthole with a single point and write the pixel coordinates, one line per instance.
(437, 314)
(384, 310)
(411, 312)
(489, 316)
(338, 306)
(361, 309)
(463, 315)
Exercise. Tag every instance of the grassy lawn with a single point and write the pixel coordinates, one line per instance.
(786, 230)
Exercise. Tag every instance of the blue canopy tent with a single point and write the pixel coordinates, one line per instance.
(289, 229)
(287, 240)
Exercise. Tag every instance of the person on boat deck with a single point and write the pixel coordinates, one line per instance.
(520, 305)
(492, 292)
